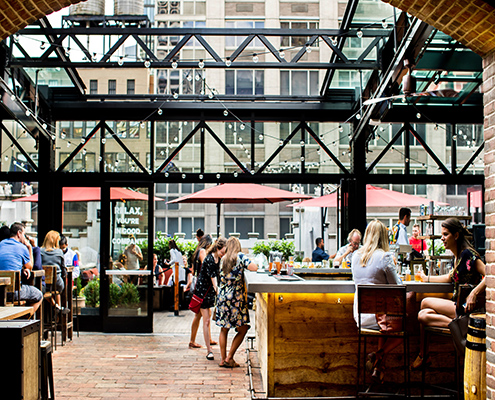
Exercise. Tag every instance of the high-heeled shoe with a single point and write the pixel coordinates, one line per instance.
(372, 359)
(378, 375)
(418, 362)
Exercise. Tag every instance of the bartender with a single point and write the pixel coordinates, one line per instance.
(400, 229)
(319, 254)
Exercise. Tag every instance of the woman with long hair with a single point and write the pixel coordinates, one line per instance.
(374, 264)
(51, 254)
(197, 260)
(468, 268)
(207, 287)
(232, 310)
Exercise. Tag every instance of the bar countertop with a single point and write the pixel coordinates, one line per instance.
(262, 282)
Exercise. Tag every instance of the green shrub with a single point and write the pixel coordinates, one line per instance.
(128, 295)
(92, 293)
(261, 247)
(114, 294)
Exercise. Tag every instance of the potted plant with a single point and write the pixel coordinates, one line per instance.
(92, 297)
(80, 301)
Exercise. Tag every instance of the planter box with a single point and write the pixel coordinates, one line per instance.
(90, 311)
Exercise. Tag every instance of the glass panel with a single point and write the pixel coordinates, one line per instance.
(173, 226)
(244, 82)
(187, 227)
(199, 223)
(284, 227)
(299, 83)
(259, 226)
(243, 226)
(229, 226)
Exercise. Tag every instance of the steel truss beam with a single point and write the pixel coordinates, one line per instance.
(237, 60)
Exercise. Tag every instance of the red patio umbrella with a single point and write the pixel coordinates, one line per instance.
(93, 194)
(239, 193)
(375, 197)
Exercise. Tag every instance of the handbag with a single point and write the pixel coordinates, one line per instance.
(459, 329)
(196, 301)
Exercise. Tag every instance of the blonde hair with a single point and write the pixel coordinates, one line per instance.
(219, 244)
(375, 238)
(51, 241)
(233, 247)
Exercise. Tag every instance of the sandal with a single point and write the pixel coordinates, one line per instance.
(373, 360)
(213, 343)
(193, 345)
(210, 356)
(223, 364)
(378, 375)
(232, 364)
(418, 362)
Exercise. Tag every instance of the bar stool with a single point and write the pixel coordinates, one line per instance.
(49, 296)
(389, 300)
(47, 371)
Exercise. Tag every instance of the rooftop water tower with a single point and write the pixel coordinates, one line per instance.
(90, 7)
(128, 7)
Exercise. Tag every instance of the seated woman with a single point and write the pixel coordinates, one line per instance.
(374, 264)
(51, 254)
(468, 268)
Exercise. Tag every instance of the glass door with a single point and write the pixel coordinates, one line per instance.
(126, 273)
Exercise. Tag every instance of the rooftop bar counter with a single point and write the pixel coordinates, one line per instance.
(307, 338)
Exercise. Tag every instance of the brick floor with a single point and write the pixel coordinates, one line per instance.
(160, 365)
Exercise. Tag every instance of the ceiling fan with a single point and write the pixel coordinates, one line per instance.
(409, 89)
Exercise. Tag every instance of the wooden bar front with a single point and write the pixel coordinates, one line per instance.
(307, 338)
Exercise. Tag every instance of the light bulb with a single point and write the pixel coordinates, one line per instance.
(189, 77)
(100, 158)
(160, 111)
(341, 129)
(142, 125)
(436, 127)
(12, 97)
(62, 135)
(176, 95)
(103, 140)
(235, 174)
(358, 116)
(281, 53)
(334, 41)
(197, 77)
(384, 24)
(228, 63)
(84, 151)
(166, 174)
(302, 143)
(121, 61)
(183, 176)
(225, 113)
(6, 158)
(302, 159)
(260, 137)
(200, 176)
(68, 144)
(308, 49)
(94, 57)
(124, 135)
(67, 51)
(281, 143)
(45, 126)
(242, 127)
(176, 139)
(359, 34)
(201, 64)
(174, 64)
(53, 137)
(255, 58)
(28, 113)
(240, 139)
(16, 38)
(42, 46)
(418, 115)
(218, 176)
(454, 137)
(147, 63)
(210, 95)
(406, 160)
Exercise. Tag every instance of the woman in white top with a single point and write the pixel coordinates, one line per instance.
(373, 264)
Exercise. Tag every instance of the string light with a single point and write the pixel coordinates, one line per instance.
(308, 48)
(201, 64)
(281, 53)
(147, 63)
(42, 46)
(255, 58)
(175, 64)
(160, 111)
(121, 61)
(384, 24)
(228, 63)
(225, 113)
(359, 34)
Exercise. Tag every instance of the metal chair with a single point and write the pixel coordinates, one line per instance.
(389, 300)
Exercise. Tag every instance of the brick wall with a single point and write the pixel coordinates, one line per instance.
(16, 14)
(489, 130)
(470, 22)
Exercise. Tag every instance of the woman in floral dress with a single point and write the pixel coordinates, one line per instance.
(468, 268)
(232, 310)
(207, 288)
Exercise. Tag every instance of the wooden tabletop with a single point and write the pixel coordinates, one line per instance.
(14, 312)
(4, 281)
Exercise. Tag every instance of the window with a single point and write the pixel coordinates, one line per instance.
(234, 134)
(244, 82)
(299, 83)
(348, 79)
(80, 163)
(124, 129)
(465, 135)
(168, 81)
(244, 225)
(131, 86)
(112, 86)
(286, 129)
(289, 41)
(75, 129)
(120, 162)
(285, 226)
(93, 86)
(234, 41)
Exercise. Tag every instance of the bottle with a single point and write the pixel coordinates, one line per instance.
(408, 274)
(290, 268)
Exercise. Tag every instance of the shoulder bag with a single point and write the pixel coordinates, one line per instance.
(196, 301)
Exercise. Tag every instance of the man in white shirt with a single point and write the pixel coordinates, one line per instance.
(404, 220)
(346, 252)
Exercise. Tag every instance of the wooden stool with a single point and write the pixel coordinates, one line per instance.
(46, 371)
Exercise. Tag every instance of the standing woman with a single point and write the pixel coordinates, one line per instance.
(232, 310)
(51, 254)
(468, 268)
(197, 260)
(373, 264)
(207, 288)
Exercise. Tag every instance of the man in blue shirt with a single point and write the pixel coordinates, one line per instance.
(16, 254)
(404, 220)
(318, 253)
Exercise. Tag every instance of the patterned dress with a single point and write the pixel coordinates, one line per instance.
(204, 285)
(232, 310)
(465, 271)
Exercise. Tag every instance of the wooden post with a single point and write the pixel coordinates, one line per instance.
(176, 289)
